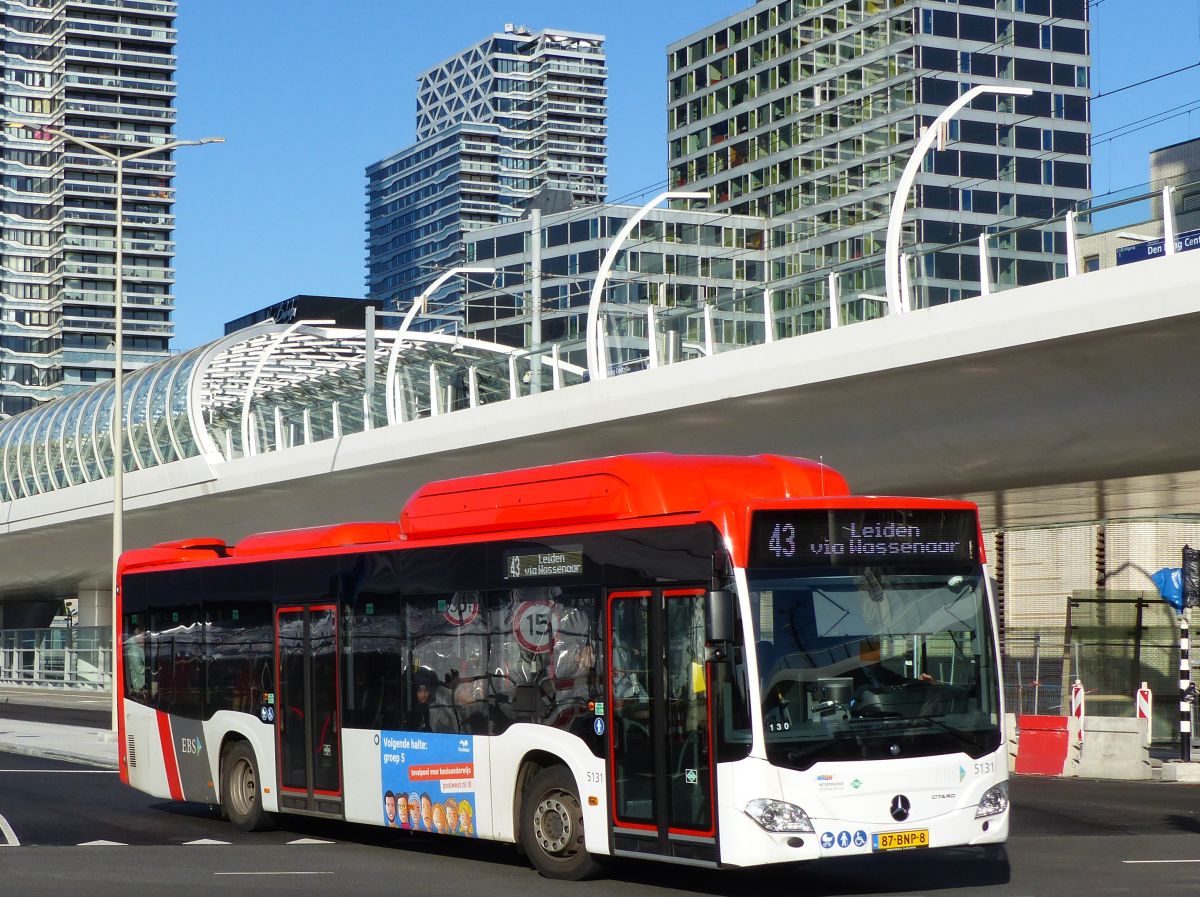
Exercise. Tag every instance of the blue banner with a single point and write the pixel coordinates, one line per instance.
(428, 782)
(1139, 252)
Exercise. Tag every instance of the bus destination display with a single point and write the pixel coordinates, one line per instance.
(567, 562)
(865, 536)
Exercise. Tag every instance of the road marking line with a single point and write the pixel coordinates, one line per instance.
(205, 842)
(1144, 862)
(102, 844)
(10, 837)
(310, 841)
(272, 873)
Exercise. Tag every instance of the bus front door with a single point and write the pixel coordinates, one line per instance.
(662, 782)
(308, 710)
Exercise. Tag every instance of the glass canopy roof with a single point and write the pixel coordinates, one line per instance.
(262, 389)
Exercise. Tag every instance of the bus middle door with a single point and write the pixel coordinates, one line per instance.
(662, 783)
(308, 709)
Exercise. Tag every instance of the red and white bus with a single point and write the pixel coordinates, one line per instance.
(720, 661)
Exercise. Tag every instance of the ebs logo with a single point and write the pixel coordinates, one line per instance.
(190, 746)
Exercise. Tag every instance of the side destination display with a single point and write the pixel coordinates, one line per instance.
(864, 537)
(567, 562)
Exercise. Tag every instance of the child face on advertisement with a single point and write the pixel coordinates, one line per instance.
(439, 819)
(402, 809)
(427, 812)
(464, 818)
(452, 815)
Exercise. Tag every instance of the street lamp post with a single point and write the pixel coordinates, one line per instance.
(891, 254)
(116, 421)
(598, 367)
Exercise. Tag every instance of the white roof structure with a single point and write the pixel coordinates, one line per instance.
(259, 390)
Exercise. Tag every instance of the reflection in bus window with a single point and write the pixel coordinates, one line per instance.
(546, 656)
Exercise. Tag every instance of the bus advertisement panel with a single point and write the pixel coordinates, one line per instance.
(429, 782)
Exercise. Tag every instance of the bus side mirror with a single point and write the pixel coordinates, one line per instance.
(718, 617)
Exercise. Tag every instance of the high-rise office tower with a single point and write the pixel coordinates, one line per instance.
(103, 70)
(516, 113)
(806, 111)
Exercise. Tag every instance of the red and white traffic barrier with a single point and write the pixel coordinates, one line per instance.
(1077, 701)
(1145, 708)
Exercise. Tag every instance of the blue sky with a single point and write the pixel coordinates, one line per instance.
(309, 93)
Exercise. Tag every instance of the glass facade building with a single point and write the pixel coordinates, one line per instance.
(103, 70)
(518, 112)
(679, 261)
(806, 111)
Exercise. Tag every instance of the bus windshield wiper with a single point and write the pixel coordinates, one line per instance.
(960, 734)
(890, 721)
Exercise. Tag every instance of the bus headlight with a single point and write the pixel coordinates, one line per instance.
(779, 816)
(994, 800)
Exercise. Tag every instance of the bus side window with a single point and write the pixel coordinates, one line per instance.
(545, 657)
(137, 681)
(176, 659)
(375, 683)
(240, 640)
(448, 647)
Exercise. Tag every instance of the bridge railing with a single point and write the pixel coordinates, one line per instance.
(1066, 245)
(1072, 242)
(76, 657)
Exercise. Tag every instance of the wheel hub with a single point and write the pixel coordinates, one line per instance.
(245, 789)
(553, 824)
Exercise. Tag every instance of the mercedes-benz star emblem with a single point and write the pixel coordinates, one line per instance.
(900, 807)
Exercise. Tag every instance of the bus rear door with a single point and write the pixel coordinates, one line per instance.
(308, 709)
(662, 787)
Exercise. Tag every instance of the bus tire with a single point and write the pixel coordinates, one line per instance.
(241, 789)
(552, 827)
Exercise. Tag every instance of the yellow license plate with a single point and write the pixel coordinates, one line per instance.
(900, 840)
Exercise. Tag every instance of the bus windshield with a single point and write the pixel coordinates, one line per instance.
(872, 663)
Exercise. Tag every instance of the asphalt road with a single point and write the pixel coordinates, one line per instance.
(1070, 838)
(90, 713)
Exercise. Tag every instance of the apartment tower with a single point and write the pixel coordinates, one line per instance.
(806, 111)
(103, 70)
(510, 116)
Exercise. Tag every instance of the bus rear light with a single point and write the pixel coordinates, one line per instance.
(779, 816)
(994, 800)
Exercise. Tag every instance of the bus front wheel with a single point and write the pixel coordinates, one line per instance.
(552, 827)
(241, 791)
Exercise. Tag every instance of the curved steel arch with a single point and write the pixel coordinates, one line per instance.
(293, 368)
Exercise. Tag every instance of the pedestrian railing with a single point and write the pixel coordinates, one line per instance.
(64, 656)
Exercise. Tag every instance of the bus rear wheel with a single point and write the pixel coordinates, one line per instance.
(552, 827)
(241, 790)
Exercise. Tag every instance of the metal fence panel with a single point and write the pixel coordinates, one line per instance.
(66, 656)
